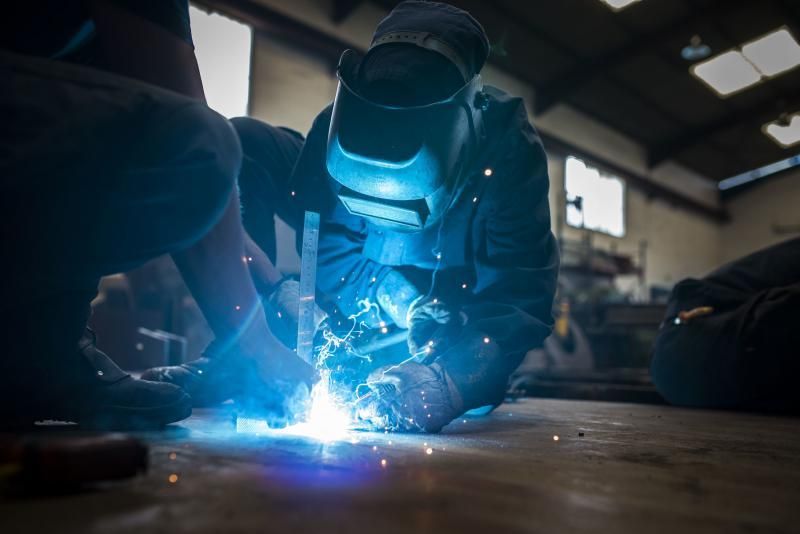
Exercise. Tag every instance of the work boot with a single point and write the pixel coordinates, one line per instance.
(93, 391)
(208, 380)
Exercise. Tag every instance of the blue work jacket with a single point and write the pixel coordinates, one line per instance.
(499, 259)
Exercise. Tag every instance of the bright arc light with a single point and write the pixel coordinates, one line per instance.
(326, 420)
(785, 135)
(727, 73)
(616, 5)
(773, 53)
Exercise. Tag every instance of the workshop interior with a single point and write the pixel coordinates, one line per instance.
(372, 265)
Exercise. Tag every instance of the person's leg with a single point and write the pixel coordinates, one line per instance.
(775, 266)
(739, 358)
(270, 154)
(99, 174)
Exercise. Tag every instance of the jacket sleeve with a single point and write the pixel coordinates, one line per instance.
(343, 274)
(516, 255)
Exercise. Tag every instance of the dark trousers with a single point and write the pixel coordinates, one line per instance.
(269, 156)
(746, 353)
(99, 173)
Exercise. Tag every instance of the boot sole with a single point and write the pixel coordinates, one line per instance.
(109, 417)
(124, 418)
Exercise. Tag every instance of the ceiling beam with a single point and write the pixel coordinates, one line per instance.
(755, 115)
(584, 72)
(343, 9)
(312, 39)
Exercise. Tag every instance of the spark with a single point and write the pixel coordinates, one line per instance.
(428, 451)
(329, 414)
(173, 478)
(555, 438)
(487, 172)
(383, 462)
(486, 340)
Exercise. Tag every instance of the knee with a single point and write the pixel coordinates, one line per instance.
(249, 131)
(214, 156)
(219, 145)
(269, 155)
(275, 148)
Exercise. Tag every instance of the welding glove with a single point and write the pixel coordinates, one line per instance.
(282, 307)
(414, 397)
(395, 294)
(410, 398)
(263, 385)
(431, 322)
(263, 377)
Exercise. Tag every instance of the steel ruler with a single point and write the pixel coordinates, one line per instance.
(306, 326)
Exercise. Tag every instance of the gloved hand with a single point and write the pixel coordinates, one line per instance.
(470, 373)
(410, 398)
(282, 307)
(268, 381)
(431, 320)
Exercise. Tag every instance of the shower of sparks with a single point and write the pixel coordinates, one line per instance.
(330, 414)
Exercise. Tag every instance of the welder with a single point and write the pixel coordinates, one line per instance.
(110, 157)
(433, 190)
(730, 339)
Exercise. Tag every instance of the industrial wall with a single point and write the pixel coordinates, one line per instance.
(289, 86)
(764, 214)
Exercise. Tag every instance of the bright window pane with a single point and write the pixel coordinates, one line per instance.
(616, 5)
(774, 53)
(603, 199)
(785, 135)
(222, 47)
(727, 73)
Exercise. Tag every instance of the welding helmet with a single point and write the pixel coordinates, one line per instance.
(399, 166)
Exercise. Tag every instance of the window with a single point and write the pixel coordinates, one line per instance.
(784, 131)
(223, 47)
(594, 200)
(616, 5)
(756, 61)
